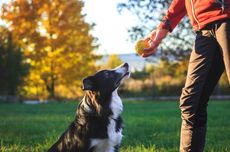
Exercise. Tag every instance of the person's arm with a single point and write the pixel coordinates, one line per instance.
(174, 14)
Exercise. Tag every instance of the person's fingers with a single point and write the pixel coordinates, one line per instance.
(154, 39)
(149, 51)
(147, 54)
(152, 46)
(147, 39)
(152, 35)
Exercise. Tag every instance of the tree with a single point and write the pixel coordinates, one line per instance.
(12, 66)
(149, 13)
(55, 40)
(113, 61)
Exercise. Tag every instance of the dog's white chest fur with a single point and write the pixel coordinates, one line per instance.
(114, 138)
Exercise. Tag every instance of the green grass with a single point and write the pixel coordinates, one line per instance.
(149, 126)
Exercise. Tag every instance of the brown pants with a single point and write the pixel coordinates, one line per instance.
(211, 55)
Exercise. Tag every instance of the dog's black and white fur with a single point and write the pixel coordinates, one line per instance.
(98, 124)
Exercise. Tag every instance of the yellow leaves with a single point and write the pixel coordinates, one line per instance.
(113, 61)
(70, 92)
(55, 40)
(54, 36)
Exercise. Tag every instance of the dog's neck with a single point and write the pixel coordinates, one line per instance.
(116, 105)
(106, 101)
(95, 104)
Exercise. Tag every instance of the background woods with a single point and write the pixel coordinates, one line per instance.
(12, 67)
(149, 14)
(55, 42)
(46, 48)
(167, 76)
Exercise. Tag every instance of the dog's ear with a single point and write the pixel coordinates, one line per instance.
(88, 83)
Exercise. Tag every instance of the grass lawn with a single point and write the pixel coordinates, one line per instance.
(149, 126)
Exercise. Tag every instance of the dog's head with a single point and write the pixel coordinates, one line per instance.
(107, 80)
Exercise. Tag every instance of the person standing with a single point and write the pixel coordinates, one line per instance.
(210, 56)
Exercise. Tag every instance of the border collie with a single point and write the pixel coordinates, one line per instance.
(98, 124)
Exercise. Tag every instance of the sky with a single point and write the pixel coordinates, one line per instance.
(111, 27)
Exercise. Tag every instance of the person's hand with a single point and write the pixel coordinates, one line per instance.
(154, 39)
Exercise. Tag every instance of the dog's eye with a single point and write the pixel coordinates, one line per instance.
(106, 74)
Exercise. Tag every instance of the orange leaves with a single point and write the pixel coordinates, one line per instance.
(55, 38)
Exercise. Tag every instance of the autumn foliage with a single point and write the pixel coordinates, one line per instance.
(56, 43)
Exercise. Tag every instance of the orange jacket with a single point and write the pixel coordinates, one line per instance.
(200, 12)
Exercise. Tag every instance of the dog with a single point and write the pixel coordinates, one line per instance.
(98, 124)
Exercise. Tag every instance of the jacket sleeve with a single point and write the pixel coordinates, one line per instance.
(175, 13)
